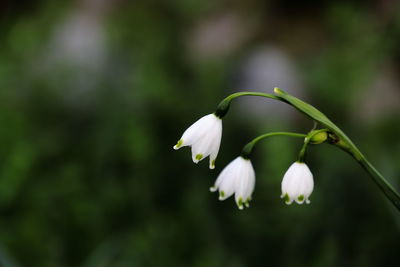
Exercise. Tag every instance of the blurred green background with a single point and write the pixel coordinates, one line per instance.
(94, 94)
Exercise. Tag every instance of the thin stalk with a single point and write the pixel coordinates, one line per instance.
(247, 93)
(248, 148)
(307, 141)
(224, 105)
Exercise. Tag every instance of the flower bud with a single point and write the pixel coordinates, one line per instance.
(319, 138)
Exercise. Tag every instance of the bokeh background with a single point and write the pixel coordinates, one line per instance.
(94, 94)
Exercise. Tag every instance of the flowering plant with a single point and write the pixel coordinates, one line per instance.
(238, 177)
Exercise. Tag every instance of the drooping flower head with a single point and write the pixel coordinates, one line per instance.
(297, 184)
(204, 136)
(238, 178)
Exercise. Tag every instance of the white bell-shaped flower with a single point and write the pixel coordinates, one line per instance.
(204, 136)
(238, 178)
(297, 184)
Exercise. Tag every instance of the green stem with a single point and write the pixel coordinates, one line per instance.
(224, 105)
(247, 93)
(336, 135)
(248, 148)
(307, 140)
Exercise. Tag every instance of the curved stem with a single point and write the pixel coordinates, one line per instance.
(224, 105)
(308, 139)
(247, 93)
(247, 149)
(336, 136)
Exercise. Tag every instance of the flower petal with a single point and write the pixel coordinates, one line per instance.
(205, 138)
(297, 184)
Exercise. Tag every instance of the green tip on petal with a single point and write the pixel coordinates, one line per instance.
(212, 166)
(199, 156)
(300, 198)
(221, 194)
(179, 144)
(287, 199)
(240, 203)
(247, 202)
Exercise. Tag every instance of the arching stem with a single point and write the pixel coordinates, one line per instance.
(248, 148)
(224, 105)
(336, 136)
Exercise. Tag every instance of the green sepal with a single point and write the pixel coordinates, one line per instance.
(223, 108)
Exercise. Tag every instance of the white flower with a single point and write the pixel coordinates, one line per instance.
(237, 177)
(205, 138)
(297, 184)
